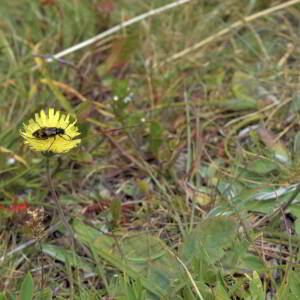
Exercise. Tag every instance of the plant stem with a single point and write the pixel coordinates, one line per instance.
(64, 221)
(58, 205)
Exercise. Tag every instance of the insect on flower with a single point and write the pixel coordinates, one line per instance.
(52, 132)
(45, 133)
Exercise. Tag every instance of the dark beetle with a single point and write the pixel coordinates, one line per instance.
(47, 132)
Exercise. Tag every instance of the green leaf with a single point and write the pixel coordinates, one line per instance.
(26, 292)
(67, 256)
(140, 256)
(262, 166)
(209, 239)
(221, 294)
(251, 262)
(256, 288)
(294, 284)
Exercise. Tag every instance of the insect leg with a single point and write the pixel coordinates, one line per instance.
(54, 137)
(64, 138)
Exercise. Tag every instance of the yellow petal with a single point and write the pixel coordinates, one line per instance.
(59, 143)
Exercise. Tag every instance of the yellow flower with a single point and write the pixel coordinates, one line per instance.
(52, 132)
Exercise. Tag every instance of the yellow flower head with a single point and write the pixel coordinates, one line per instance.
(52, 132)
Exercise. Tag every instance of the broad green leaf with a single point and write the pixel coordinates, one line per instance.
(294, 283)
(208, 240)
(141, 256)
(67, 256)
(221, 294)
(26, 291)
(262, 166)
(237, 258)
(264, 200)
(251, 262)
(256, 287)
(235, 254)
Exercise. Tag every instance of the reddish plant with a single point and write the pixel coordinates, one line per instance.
(17, 207)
